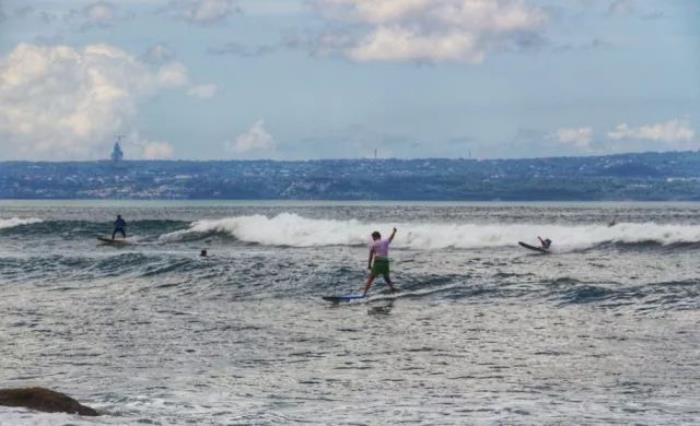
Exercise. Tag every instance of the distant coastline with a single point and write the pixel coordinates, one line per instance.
(670, 176)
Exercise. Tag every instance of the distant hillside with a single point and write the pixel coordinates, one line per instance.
(648, 176)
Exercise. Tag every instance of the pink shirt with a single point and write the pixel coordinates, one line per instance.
(381, 247)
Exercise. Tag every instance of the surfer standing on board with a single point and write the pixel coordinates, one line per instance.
(119, 226)
(546, 243)
(379, 251)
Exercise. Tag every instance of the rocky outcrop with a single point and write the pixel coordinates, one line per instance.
(44, 400)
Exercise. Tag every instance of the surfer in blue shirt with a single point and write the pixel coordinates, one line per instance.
(379, 252)
(546, 243)
(119, 226)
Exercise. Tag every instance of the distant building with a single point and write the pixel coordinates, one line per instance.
(117, 153)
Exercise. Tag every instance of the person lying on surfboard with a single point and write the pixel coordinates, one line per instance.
(546, 243)
(119, 226)
(379, 252)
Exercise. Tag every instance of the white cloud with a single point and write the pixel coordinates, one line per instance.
(59, 102)
(255, 141)
(138, 147)
(433, 30)
(205, 91)
(580, 137)
(401, 44)
(100, 14)
(173, 74)
(670, 131)
(202, 12)
(157, 151)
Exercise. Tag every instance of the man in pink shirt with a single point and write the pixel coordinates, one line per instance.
(379, 251)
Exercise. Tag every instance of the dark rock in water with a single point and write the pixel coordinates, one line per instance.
(44, 400)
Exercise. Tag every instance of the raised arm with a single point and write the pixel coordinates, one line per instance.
(391, 237)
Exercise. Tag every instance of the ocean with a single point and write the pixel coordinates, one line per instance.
(602, 330)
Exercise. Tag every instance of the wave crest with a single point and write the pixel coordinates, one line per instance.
(17, 221)
(292, 230)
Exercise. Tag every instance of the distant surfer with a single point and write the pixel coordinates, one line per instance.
(203, 253)
(613, 222)
(545, 243)
(119, 227)
(379, 260)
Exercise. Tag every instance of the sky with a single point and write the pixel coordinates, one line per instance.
(318, 79)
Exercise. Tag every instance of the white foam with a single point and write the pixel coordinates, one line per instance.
(17, 221)
(289, 229)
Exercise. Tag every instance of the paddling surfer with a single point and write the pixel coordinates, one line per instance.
(545, 243)
(119, 226)
(378, 263)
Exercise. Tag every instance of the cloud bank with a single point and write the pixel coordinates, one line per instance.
(579, 138)
(60, 102)
(669, 131)
(256, 142)
(672, 134)
(428, 30)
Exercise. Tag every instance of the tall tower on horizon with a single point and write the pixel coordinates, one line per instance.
(117, 153)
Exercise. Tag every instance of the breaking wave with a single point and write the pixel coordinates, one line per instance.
(292, 230)
(79, 229)
(17, 221)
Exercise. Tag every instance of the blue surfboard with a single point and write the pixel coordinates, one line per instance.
(346, 298)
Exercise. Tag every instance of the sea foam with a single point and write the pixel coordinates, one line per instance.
(288, 229)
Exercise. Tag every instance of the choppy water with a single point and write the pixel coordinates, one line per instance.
(602, 331)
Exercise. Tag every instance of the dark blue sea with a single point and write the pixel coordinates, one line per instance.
(602, 330)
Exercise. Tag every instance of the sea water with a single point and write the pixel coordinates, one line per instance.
(603, 330)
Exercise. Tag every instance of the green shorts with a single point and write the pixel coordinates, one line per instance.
(380, 266)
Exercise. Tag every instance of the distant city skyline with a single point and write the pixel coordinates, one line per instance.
(669, 176)
(319, 79)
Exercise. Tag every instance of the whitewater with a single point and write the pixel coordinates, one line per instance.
(603, 330)
(292, 230)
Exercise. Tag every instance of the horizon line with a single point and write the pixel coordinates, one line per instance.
(369, 159)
